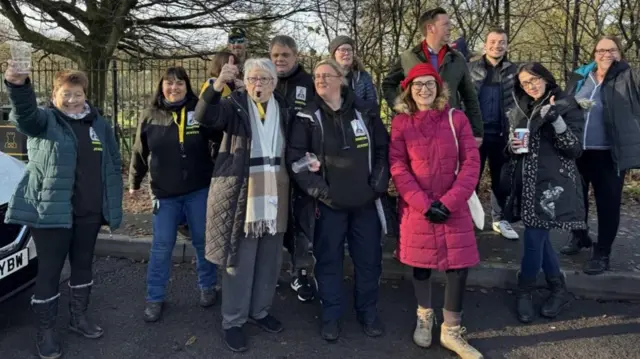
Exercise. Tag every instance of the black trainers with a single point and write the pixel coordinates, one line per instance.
(183, 230)
(269, 324)
(330, 331)
(302, 286)
(373, 329)
(208, 297)
(153, 311)
(598, 264)
(577, 240)
(235, 339)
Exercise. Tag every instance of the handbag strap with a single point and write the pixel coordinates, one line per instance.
(455, 138)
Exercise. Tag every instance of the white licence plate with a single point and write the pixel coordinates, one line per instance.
(14, 263)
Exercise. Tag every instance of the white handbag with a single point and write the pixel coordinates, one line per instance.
(477, 212)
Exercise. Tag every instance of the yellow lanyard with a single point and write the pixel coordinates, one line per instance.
(261, 112)
(180, 124)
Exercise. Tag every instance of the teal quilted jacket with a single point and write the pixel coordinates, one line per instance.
(43, 196)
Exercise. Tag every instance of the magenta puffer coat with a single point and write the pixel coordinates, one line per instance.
(423, 158)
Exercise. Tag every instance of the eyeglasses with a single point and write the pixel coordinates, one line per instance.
(417, 85)
(236, 41)
(262, 80)
(535, 81)
(604, 51)
(344, 51)
(324, 77)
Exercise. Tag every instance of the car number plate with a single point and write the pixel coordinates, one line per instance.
(14, 263)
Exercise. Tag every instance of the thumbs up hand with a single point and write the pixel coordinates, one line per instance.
(227, 74)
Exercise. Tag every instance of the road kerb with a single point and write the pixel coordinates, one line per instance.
(610, 285)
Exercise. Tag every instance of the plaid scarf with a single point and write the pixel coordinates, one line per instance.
(266, 154)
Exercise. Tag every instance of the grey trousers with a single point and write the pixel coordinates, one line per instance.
(248, 288)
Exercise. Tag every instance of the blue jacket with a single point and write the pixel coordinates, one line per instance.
(43, 196)
(362, 85)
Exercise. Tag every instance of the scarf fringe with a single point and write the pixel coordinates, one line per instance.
(259, 228)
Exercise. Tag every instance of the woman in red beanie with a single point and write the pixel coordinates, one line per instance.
(436, 228)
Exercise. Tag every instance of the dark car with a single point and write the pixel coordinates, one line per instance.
(18, 257)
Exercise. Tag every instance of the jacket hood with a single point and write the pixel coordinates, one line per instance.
(584, 70)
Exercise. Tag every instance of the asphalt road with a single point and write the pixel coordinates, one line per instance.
(589, 329)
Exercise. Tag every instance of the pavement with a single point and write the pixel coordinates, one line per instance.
(500, 257)
(587, 329)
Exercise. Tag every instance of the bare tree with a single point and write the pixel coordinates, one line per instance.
(629, 24)
(90, 32)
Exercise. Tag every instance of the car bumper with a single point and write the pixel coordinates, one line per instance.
(24, 277)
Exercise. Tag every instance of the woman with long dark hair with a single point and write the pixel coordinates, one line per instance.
(174, 149)
(545, 189)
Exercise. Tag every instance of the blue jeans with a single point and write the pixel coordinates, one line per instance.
(538, 253)
(168, 213)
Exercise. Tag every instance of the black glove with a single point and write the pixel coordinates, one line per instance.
(438, 213)
(551, 115)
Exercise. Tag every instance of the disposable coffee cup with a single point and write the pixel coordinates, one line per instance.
(304, 164)
(522, 134)
(21, 55)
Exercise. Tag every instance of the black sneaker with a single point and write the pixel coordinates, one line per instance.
(183, 230)
(153, 312)
(269, 324)
(208, 297)
(373, 329)
(598, 264)
(330, 331)
(235, 339)
(302, 286)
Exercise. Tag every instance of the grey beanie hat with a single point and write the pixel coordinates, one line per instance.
(339, 41)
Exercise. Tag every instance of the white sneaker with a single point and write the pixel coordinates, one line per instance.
(424, 327)
(505, 229)
(452, 339)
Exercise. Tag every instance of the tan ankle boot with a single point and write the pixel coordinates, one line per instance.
(451, 338)
(423, 334)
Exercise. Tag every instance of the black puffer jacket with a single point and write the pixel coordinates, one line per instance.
(184, 168)
(227, 202)
(621, 102)
(544, 186)
(507, 69)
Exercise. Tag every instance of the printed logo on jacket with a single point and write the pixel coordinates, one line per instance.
(95, 141)
(192, 127)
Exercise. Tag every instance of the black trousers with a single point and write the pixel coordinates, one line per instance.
(492, 150)
(598, 170)
(53, 245)
(453, 293)
(361, 228)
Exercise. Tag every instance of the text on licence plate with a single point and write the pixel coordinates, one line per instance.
(14, 263)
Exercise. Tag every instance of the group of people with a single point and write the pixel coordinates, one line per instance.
(227, 164)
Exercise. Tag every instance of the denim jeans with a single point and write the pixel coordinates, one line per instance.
(538, 253)
(168, 213)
